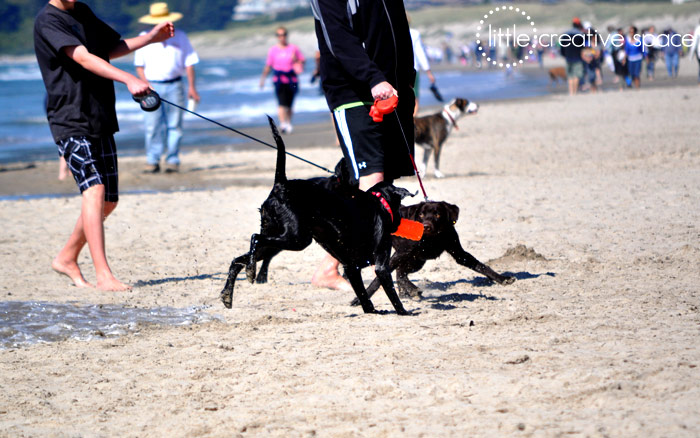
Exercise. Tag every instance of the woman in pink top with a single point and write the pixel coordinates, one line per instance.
(286, 61)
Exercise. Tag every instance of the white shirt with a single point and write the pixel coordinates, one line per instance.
(420, 59)
(696, 42)
(167, 60)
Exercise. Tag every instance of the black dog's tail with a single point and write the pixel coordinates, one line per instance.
(280, 173)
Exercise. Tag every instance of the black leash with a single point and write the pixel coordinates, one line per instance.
(151, 102)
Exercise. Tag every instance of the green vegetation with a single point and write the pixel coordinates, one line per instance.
(17, 18)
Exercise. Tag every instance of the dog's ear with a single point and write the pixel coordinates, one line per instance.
(343, 174)
(411, 211)
(452, 212)
(400, 191)
(462, 104)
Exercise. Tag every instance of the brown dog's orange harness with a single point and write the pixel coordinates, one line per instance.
(407, 229)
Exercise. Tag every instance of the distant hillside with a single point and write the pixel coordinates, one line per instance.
(17, 18)
(458, 23)
(214, 34)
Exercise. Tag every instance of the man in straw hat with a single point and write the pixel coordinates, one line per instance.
(73, 48)
(163, 65)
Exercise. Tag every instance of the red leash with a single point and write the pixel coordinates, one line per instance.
(386, 106)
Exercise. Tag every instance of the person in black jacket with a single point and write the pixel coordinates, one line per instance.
(366, 54)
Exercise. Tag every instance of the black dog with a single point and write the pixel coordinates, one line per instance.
(438, 219)
(340, 182)
(355, 229)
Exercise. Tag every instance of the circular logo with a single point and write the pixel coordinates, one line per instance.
(506, 47)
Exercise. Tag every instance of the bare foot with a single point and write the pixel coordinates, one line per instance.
(112, 284)
(337, 283)
(70, 270)
(330, 279)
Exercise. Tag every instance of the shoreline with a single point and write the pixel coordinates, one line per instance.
(598, 335)
(28, 179)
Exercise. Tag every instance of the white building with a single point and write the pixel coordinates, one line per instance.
(247, 9)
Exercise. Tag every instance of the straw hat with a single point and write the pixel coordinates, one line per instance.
(159, 13)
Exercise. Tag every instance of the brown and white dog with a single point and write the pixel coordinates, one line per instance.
(431, 131)
(556, 73)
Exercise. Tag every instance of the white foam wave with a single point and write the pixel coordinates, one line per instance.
(20, 73)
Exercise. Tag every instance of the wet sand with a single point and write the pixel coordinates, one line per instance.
(591, 202)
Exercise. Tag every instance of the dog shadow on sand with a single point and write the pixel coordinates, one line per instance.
(440, 301)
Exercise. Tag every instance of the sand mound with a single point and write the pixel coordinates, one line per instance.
(519, 253)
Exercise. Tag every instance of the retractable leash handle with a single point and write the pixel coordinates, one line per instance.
(383, 107)
(387, 106)
(149, 102)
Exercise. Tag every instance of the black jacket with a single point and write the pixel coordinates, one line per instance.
(362, 43)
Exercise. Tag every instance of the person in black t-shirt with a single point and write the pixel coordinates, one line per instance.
(73, 48)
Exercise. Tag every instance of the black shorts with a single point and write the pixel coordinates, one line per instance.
(92, 161)
(371, 147)
(285, 94)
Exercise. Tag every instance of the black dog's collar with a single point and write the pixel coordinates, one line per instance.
(385, 204)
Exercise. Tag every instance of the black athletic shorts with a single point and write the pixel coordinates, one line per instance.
(285, 93)
(371, 147)
(92, 161)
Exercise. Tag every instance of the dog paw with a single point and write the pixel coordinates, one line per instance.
(227, 299)
(507, 280)
(410, 290)
(250, 273)
(439, 174)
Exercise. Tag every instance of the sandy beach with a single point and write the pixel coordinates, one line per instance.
(591, 202)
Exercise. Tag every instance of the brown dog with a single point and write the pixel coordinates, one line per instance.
(556, 73)
(431, 131)
(438, 219)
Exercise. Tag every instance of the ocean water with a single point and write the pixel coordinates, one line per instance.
(230, 95)
(24, 323)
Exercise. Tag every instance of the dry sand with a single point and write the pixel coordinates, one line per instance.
(591, 202)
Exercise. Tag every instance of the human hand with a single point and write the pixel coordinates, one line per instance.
(192, 94)
(161, 32)
(137, 87)
(383, 90)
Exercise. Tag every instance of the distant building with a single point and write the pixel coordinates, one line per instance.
(248, 9)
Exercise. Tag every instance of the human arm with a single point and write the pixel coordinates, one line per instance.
(192, 89)
(344, 45)
(159, 33)
(100, 67)
(265, 72)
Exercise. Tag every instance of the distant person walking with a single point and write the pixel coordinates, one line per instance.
(620, 62)
(73, 48)
(420, 62)
(572, 54)
(672, 51)
(285, 61)
(163, 66)
(695, 48)
(650, 43)
(635, 55)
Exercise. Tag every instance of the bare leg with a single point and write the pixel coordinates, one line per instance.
(327, 275)
(367, 181)
(62, 168)
(89, 229)
(282, 115)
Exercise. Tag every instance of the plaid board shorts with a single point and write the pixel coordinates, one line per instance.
(92, 161)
